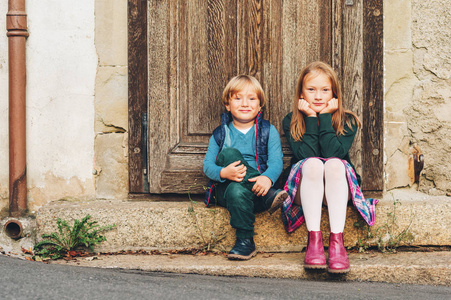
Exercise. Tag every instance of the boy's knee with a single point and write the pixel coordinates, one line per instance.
(228, 156)
(236, 194)
(228, 152)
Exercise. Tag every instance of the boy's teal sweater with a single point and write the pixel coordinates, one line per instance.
(245, 143)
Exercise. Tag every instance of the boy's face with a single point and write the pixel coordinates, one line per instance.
(244, 106)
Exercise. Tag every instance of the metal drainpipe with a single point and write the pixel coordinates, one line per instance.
(16, 25)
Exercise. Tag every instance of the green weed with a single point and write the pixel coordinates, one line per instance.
(388, 237)
(84, 234)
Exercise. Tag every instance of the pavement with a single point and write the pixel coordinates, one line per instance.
(425, 268)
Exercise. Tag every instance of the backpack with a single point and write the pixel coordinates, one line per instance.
(261, 147)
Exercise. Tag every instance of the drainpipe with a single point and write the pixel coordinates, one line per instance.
(16, 25)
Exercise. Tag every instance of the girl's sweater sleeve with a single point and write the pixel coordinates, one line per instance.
(210, 168)
(309, 145)
(275, 156)
(331, 144)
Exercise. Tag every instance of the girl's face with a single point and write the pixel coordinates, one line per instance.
(317, 91)
(244, 106)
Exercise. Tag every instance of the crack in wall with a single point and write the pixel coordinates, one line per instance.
(115, 129)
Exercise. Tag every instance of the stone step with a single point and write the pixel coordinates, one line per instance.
(163, 225)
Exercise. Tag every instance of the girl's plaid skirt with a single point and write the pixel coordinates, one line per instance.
(292, 214)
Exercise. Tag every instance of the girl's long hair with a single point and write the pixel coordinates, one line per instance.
(339, 117)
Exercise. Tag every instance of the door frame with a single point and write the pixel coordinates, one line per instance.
(137, 96)
(372, 106)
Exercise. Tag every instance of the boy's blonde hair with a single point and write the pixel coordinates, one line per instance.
(238, 83)
(339, 117)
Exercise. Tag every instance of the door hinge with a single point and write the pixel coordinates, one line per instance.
(144, 156)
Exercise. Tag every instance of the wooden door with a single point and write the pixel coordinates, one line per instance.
(195, 47)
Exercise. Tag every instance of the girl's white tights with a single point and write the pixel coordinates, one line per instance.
(324, 179)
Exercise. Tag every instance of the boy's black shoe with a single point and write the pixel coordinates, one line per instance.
(274, 199)
(244, 249)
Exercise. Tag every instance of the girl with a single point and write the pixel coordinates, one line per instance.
(320, 132)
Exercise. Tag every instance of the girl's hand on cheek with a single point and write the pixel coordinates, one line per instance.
(332, 106)
(304, 107)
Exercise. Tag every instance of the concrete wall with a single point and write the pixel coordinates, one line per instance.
(417, 92)
(77, 107)
(4, 165)
(61, 66)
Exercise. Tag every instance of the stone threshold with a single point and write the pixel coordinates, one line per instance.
(163, 224)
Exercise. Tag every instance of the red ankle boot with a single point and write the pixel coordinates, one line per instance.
(338, 258)
(314, 256)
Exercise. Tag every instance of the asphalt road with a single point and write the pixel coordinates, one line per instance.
(21, 279)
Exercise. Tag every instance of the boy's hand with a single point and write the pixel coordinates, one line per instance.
(234, 172)
(332, 106)
(261, 186)
(304, 107)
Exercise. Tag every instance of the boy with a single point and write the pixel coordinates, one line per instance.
(243, 160)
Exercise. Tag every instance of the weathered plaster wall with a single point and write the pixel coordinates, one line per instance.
(4, 165)
(77, 113)
(61, 70)
(111, 101)
(417, 92)
(430, 113)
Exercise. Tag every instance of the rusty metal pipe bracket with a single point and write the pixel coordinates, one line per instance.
(16, 22)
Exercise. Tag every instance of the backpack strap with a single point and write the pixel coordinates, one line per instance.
(262, 130)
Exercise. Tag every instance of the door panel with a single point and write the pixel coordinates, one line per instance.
(195, 47)
(207, 60)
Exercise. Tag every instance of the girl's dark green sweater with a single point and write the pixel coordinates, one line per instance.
(320, 139)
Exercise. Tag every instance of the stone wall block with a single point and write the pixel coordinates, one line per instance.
(397, 170)
(398, 98)
(431, 31)
(111, 32)
(396, 138)
(431, 130)
(111, 101)
(111, 166)
(399, 65)
(397, 24)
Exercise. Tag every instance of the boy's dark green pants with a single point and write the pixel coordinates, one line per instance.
(238, 197)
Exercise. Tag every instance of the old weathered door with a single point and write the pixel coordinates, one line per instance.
(195, 47)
